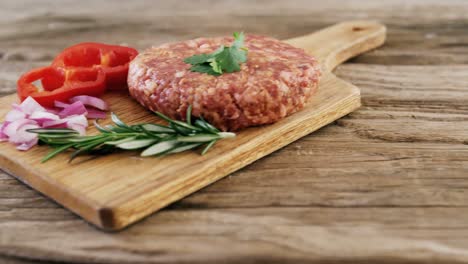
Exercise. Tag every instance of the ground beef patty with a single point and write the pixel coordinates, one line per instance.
(276, 80)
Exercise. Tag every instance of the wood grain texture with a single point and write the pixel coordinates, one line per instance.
(117, 190)
(386, 190)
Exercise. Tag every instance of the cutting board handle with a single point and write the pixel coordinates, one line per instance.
(338, 43)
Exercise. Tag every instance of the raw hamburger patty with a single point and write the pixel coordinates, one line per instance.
(276, 80)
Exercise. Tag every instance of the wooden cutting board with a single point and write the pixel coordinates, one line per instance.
(116, 190)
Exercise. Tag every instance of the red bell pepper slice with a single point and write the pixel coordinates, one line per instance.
(60, 84)
(113, 59)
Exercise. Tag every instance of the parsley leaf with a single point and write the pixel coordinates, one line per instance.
(238, 39)
(198, 59)
(224, 59)
(204, 68)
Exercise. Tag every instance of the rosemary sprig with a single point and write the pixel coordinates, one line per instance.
(153, 139)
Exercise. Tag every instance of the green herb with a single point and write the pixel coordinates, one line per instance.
(224, 59)
(153, 139)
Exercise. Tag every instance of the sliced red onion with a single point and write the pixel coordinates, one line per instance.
(91, 112)
(42, 117)
(30, 114)
(77, 108)
(78, 123)
(16, 131)
(96, 114)
(55, 124)
(91, 101)
(3, 136)
(14, 126)
(16, 106)
(79, 128)
(24, 139)
(77, 120)
(14, 115)
(27, 145)
(54, 111)
(60, 104)
(29, 105)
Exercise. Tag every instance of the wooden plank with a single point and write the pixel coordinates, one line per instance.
(419, 181)
(408, 192)
(417, 35)
(286, 235)
(110, 199)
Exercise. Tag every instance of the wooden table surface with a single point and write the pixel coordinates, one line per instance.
(387, 183)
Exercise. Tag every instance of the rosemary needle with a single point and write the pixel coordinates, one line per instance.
(152, 139)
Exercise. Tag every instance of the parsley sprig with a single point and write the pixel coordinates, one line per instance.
(153, 139)
(224, 59)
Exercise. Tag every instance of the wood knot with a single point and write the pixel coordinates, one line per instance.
(356, 29)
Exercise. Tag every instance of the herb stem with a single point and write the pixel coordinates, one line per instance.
(151, 139)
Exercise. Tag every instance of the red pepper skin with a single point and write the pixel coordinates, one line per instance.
(113, 59)
(60, 84)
